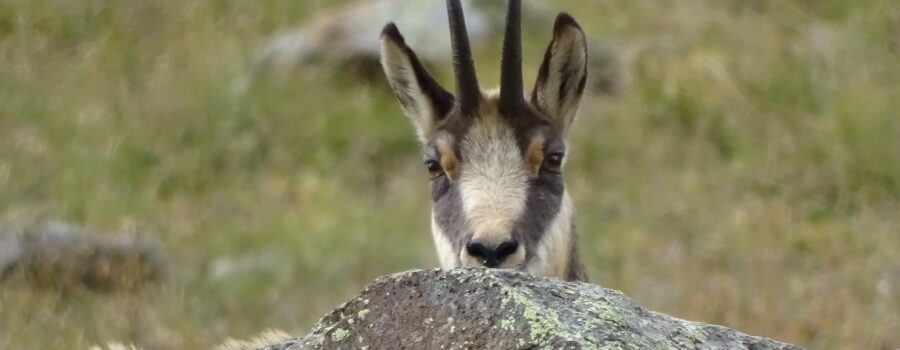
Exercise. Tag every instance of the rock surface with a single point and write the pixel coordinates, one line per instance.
(348, 36)
(66, 257)
(345, 40)
(495, 309)
(353, 29)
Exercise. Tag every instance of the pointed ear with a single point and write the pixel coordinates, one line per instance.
(563, 73)
(424, 101)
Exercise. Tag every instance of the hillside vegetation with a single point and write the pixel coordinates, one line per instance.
(746, 172)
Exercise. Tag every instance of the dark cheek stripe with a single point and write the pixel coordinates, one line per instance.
(448, 213)
(543, 203)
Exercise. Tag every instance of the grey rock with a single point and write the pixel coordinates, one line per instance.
(349, 35)
(10, 248)
(498, 309)
(346, 40)
(67, 257)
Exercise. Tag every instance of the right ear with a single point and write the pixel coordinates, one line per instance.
(563, 74)
(424, 101)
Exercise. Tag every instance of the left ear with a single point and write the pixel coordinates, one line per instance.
(423, 99)
(563, 73)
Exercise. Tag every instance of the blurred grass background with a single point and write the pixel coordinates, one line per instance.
(747, 173)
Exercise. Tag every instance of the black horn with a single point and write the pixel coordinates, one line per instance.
(511, 88)
(467, 92)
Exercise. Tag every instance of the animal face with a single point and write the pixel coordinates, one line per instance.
(495, 159)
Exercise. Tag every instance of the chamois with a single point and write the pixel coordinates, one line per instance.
(495, 158)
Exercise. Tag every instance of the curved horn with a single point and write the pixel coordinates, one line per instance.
(467, 92)
(511, 87)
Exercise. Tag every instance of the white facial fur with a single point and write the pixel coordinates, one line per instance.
(493, 184)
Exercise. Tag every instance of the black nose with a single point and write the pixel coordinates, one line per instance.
(492, 256)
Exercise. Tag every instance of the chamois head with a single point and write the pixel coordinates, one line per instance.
(496, 158)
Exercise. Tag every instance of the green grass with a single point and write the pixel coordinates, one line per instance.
(747, 174)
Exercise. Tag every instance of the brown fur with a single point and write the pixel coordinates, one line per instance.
(534, 155)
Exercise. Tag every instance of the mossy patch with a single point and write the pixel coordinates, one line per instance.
(543, 324)
(339, 334)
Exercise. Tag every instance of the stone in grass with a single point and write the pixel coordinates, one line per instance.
(500, 309)
(65, 257)
(346, 38)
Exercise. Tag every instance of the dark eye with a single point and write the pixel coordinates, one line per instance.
(553, 162)
(434, 168)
